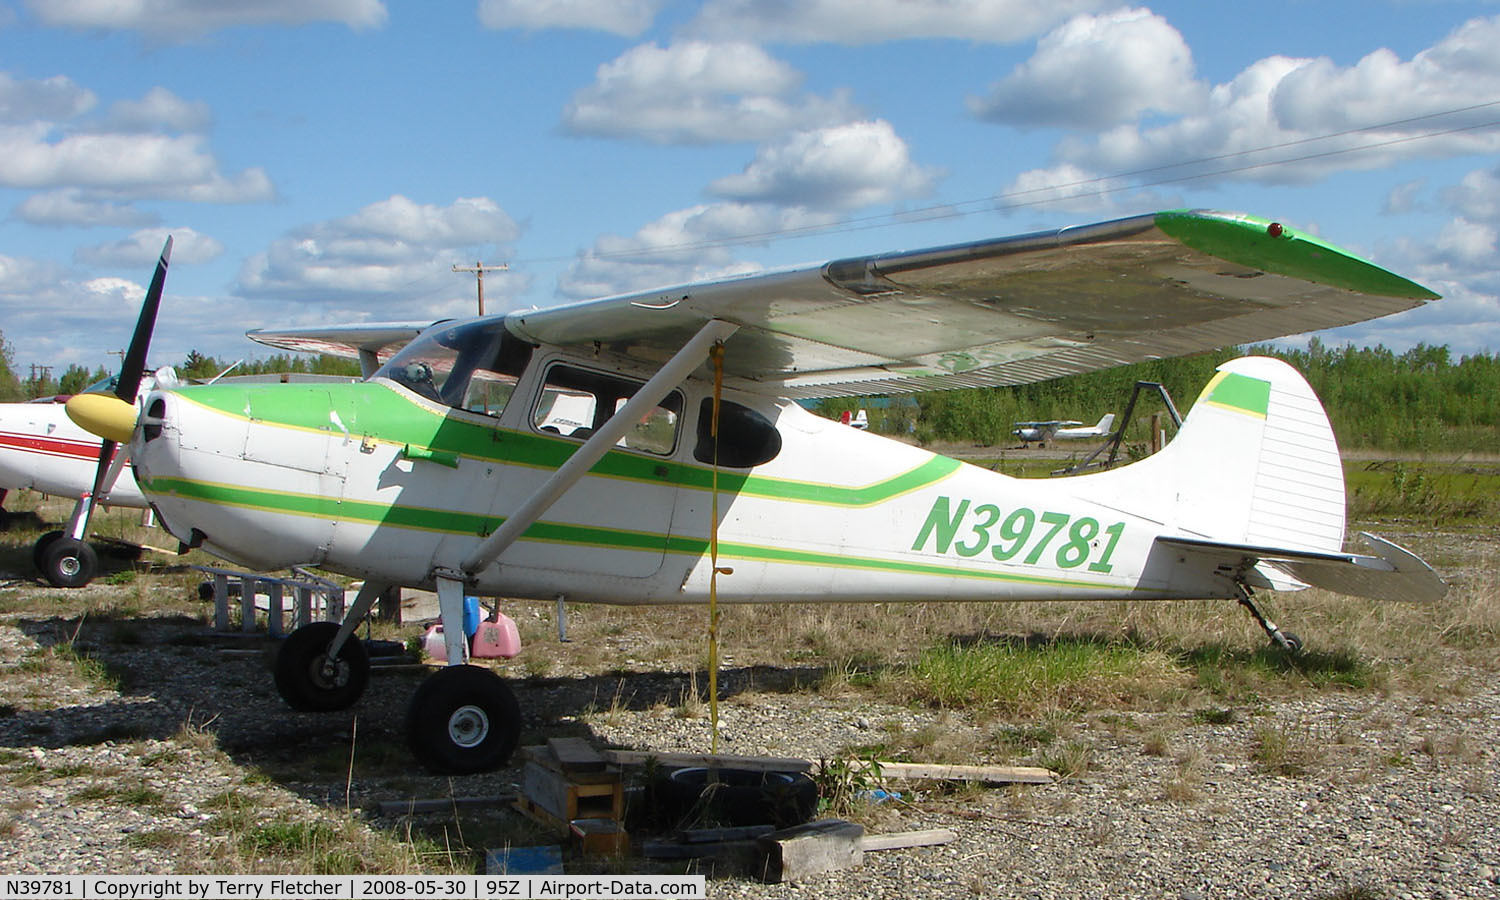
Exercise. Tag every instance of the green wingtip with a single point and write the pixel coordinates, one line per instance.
(1271, 247)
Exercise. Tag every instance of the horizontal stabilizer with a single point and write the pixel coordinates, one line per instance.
(1393, 573)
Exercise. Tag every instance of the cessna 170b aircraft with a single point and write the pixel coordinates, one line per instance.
(692, 473)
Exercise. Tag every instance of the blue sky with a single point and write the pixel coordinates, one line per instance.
(324, 161)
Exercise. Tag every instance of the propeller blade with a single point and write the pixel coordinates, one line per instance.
(134, 365)
(106, 455)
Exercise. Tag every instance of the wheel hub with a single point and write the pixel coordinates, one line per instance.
(468, 726)
(69, 566)
(330, 673)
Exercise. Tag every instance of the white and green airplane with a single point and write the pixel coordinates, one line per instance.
(648, 449)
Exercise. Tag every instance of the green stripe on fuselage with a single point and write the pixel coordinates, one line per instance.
(582, 536)
(403, 420)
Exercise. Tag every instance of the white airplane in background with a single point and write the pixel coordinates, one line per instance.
(699, 477)
(1056, 430)
(42, 450)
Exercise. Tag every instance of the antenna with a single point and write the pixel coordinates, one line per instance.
(479, 269)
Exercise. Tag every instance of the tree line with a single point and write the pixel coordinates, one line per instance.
(43, 382)
(1422, 399)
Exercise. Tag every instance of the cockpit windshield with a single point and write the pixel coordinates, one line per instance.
(472, 366)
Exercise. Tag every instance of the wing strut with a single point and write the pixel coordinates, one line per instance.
(583, 459)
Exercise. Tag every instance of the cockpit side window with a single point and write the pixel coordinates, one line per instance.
(746, 438)
(577, 402)
(474, 366)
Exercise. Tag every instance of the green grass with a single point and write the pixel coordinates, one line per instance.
(1019, 676)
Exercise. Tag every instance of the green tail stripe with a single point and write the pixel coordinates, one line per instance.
(1252, 395)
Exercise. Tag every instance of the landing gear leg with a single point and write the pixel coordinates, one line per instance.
(1283, 639)
(322, 666)
(462, 719)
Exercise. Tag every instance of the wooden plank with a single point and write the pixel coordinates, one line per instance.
(829, 845)
(719, 835)
(575, 754)
(441, 804)
(898, 840)
(986, 774)
(689, 760)
(894, 770)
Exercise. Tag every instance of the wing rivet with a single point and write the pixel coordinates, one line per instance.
(1275, 230)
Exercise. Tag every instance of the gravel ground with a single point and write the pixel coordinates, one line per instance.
(1375, 795)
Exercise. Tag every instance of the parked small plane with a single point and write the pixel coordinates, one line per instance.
(698, 476)
(41, 449)
(1058, 430)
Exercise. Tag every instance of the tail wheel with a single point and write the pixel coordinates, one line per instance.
(463, 719)
(69, 563)
(309, 680)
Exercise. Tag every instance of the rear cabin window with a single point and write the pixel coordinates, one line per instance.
(577, 402)
(746, 438)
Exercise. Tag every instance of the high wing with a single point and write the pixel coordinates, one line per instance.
(367, 342)
(1052, 424)
(997, 312)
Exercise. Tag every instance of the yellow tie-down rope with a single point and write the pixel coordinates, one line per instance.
(717, 355)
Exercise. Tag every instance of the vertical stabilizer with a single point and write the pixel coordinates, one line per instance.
(1254, 463)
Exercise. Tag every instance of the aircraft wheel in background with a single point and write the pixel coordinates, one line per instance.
(307, 680)
(463, 719)
(67, 563)
(39, 549)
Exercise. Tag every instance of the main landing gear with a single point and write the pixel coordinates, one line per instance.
(65, 561)
(1283, 639)
(462, 719)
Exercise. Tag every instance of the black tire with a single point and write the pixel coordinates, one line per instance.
(69, 564)
(463, 719)
(737, 797)
(39, 549)
(302, 680)
(1294, 644)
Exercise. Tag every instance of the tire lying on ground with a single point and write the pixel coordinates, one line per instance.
(699, 796)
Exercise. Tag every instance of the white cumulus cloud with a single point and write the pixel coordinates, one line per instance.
(698, 92)
(1097, 71)
(71, 206)
(46, 99)
(874, 21)
(843, 167)
(623, 17)
(686, 245)
(378, 252)
(184, 19)
(143, 247)
(1287, 120)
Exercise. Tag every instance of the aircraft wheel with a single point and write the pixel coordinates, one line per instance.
(39, 549)
(307, 680)
(463, 719)
(1293, 643)
(69, 564)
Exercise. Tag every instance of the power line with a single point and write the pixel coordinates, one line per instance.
(1017, 199)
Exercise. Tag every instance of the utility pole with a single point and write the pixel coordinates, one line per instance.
(479, 269)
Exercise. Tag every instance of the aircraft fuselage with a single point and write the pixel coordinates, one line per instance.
(376, 481)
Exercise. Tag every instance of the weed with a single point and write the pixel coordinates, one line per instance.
(1070, 760)
(844, 785)
(1284, 749)
(1157, 743)
(157, 839)
(134, 795)
(1218, 715)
